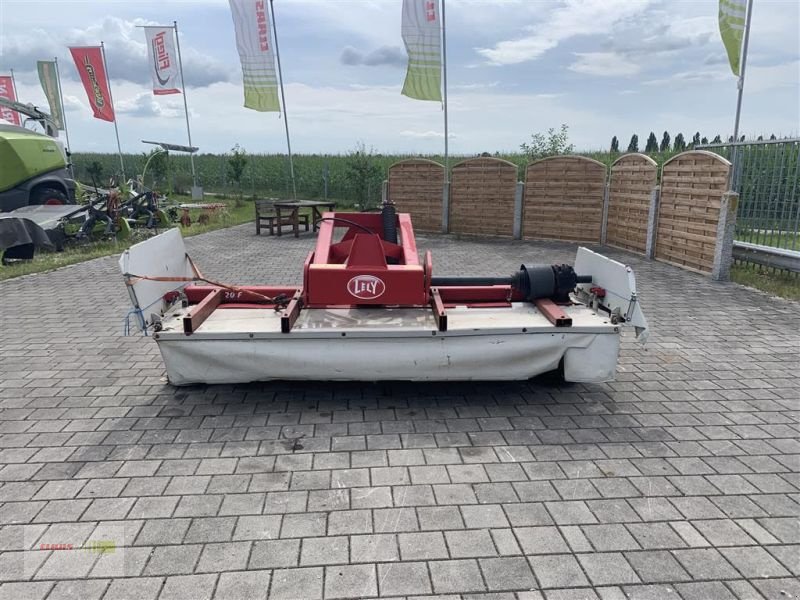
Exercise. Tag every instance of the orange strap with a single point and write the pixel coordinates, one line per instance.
(131, 279)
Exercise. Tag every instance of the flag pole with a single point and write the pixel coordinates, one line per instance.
(64, 113)
(740, 83)
(444, 74)
(734, 177)
(111, 98)
(185, 104)
(283, 99)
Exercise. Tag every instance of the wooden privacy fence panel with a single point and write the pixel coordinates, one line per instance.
(482, 197)
(633, 178)
(416, 186)
(564, 199)
(692, 185)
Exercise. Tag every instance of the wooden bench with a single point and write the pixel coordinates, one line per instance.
(265, 212)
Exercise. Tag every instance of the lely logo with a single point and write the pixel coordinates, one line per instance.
(366, 287)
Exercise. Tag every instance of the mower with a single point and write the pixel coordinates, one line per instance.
(371, 309)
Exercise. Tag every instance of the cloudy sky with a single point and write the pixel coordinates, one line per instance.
(604, 67)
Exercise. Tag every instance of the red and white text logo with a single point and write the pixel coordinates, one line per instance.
(366, 287)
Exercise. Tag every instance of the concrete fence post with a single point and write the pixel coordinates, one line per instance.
(723, 251)
(446, 207)
(652, 223)
(604, 222)
(384, 191)
(519, 193)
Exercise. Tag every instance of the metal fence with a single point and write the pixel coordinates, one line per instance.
(766, 175)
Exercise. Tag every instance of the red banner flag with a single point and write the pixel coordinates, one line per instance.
(89, 61)
(7, 91)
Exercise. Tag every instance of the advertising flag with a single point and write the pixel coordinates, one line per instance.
(7, 91)
(89, 61)
(731, 28)
(49, 80)
(254, 43)
(422, 38)
(163, 59)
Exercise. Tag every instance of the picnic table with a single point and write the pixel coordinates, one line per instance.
(294, 206)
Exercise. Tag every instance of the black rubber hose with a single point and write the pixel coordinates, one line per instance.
(459, 281)
(389, 216)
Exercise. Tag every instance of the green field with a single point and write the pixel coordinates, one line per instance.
(268, 174)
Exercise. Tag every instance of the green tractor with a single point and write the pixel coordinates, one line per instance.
(33, 166)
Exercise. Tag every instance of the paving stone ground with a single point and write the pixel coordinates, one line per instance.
(678, 480)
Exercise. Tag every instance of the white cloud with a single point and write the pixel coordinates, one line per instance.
(473, 86)
(604, 64)
(146, 105)
(425, 134)
(126, 52)
(572, 18)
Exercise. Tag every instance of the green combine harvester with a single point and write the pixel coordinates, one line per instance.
(33, 166)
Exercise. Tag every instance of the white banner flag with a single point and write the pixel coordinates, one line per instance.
(254, 43)
(163, 59)
(422, 38)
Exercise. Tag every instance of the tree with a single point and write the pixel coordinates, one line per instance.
(552, 144)
(633, 146)
(363, 174)
(237, 162)
(665, 140)
(704, 140)
(652, 143)
(614, 145)
(696, 140)
(717, 139)
(679, 145)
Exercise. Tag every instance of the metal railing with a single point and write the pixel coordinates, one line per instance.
(766, 175)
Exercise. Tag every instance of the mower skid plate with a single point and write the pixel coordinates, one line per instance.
(509, 343)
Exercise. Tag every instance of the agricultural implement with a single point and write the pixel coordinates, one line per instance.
(370, 308)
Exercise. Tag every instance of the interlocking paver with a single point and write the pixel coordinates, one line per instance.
(141, 588)
(607, 568)
(512, 573)
(558, 570)
(237, 585)
(271, 554)
(679, 479)
(188, 587)
(293, 584)
(350, 581)
(456, 576)
(324, 551)
(223, 557)
(406, 578)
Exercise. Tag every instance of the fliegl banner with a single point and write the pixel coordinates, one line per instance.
(89, 62)
(163, 59)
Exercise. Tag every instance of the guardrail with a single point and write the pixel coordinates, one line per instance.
(778, 258)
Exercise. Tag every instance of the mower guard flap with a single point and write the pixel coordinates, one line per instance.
(161, 256)
(619, 283)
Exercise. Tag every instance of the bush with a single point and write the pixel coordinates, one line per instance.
(551, 144)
